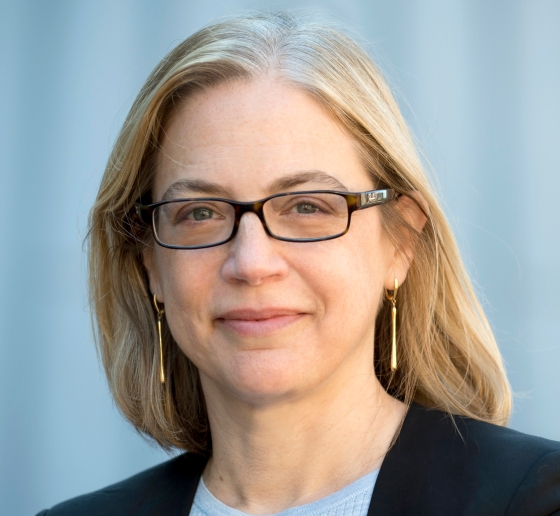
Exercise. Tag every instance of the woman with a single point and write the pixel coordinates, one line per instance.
(278, 293)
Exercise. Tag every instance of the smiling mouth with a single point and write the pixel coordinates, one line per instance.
(248, 323)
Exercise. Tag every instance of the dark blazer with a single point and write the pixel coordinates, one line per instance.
(436, 467)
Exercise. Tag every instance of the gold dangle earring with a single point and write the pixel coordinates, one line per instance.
(159, 316)
(393, 300)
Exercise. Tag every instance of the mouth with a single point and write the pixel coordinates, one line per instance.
(256, 323)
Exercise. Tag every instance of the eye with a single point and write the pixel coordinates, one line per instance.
(304, 205)
(201, 214)
(306, 208)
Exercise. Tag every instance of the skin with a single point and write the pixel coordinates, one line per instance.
(282, 332)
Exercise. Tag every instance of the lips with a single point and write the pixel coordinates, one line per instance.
(250, 322)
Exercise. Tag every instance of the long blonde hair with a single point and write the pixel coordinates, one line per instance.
(448, 358)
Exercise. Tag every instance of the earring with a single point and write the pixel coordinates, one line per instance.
(393, 300)
(159, 316)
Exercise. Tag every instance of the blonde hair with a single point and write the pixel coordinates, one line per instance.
(448, 358)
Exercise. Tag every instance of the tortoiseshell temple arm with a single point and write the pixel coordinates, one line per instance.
(376, 197)
(144, 213)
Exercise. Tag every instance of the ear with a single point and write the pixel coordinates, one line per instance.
(413, 208)
(148, 259)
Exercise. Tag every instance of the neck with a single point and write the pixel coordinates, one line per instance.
(269, 457)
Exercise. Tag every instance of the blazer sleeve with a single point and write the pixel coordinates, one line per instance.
(539, 492)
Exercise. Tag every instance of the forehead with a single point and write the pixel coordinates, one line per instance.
(244, 136)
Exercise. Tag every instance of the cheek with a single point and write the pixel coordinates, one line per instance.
(187, 281)
(346, 275)
(356, 270)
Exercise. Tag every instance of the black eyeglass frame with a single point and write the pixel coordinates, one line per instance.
(354, 200)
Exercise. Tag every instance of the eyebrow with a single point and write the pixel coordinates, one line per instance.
(193, 186)
(308, 176)
(283, 183)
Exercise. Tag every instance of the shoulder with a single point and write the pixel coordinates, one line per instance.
(454, 463)
(163, 489)
(478, 440)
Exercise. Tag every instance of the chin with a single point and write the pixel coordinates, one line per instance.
(265, 376)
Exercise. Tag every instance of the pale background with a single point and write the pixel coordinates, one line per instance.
(479, 81)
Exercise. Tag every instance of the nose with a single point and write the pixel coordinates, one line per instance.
(253, 256)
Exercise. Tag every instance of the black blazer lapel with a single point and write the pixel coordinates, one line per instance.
(176, 488)
(457, 465)
(409, 481)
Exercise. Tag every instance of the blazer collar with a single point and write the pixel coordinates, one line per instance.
(406, 475)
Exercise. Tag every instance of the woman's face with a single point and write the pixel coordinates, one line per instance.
(263, 319)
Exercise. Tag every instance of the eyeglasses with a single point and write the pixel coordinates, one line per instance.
(312, 216)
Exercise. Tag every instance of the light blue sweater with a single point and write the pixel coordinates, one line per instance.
(352, 500)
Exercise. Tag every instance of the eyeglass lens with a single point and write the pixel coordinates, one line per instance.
(204, 222)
